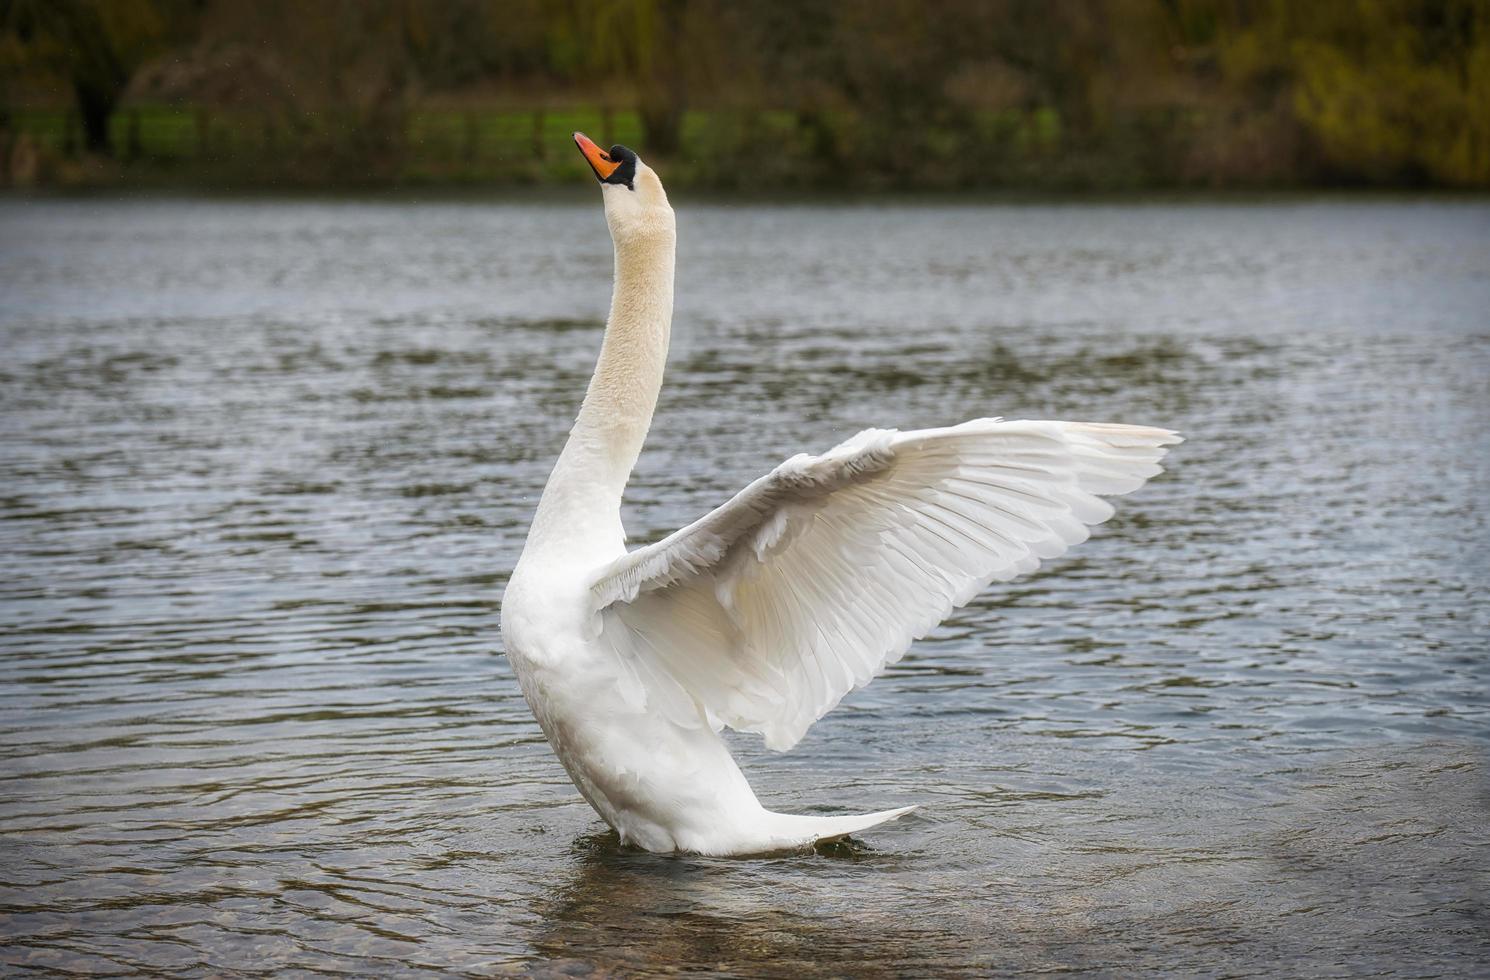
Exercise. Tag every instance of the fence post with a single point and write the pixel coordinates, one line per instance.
(203, 137)
(133, 149)
(69, 134)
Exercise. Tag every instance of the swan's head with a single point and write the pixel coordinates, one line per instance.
(635, 203)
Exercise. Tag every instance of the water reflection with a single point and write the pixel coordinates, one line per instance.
(622, 910)
(1228, 876)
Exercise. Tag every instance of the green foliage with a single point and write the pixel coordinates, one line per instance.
(761, 93)
(1400, 92)
(95, 46)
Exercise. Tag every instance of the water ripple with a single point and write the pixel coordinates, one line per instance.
(267, 466)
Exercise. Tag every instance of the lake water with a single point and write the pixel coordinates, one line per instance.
(267, 465)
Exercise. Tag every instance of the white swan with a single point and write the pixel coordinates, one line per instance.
(764, 613)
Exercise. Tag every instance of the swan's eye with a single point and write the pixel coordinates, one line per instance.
(616, 167)
(625, 172)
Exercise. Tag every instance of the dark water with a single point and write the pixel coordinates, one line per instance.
(268, 464)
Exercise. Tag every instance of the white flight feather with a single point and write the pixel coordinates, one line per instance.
(764, 613)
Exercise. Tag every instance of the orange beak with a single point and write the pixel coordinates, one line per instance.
(599, 160)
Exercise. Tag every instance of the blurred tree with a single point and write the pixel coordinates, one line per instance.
(641, 48)
(337, 76)
(96, 46)
(820, 92)
(1398, 91)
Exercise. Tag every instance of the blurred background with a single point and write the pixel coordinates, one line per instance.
(1057, 94)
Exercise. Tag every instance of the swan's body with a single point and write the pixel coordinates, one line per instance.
(764, 613)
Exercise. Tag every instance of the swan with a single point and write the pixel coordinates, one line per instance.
(762, 614)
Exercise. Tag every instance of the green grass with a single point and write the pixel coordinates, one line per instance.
(726, 149)
(435, 145)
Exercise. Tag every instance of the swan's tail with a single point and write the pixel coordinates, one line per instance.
(799, 831)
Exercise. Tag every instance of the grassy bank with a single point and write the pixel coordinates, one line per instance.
(203, 148)
(158, 145)
(194, 146)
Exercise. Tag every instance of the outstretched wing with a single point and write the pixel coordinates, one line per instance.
(764, 613)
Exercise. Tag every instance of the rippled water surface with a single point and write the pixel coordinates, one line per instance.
(267, 465)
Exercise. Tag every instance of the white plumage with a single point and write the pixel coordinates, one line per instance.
(812, 579)
(764, 613)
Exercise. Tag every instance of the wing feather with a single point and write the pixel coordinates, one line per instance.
(764, 613)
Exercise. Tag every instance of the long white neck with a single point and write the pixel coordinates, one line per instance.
(581, 505)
